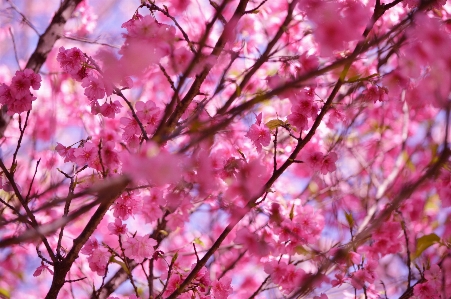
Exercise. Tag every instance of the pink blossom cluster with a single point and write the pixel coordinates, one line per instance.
(98, 256)
(139, 247)
(148, 114)
(74, 62)
(317, 161)
(375, 93)
(432, 288)
(336, 23)
(87, 153)
(207, 288)
(303, 107)
(259, 134)
(287, 276)
(144, 32)
(228, 206)
(17, 96)
(127, 205)
(304, 226)
(134, 247)
(179, 61)
(246, 184)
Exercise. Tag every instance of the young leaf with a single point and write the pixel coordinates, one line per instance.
(274, 123)
(424, 243)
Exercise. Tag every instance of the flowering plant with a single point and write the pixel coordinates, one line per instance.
(230, 149)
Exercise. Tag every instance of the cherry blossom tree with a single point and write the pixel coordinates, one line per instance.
(225, 149)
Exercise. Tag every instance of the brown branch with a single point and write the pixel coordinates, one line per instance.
(252, 203)
(45, 44)
(170, 117)
(106, 196)
(102, 189)
(33, 222)
(255, 10)
(152, 6)
(262, 59)
(121, 275)
(296, 83)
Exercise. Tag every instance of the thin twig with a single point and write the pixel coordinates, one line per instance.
(24, 18)
(255, 10)
(14, 46)
(32, 181)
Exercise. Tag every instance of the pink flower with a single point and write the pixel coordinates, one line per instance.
(374, 94)
(20, 85)
(221, 289)
(117, 228)
(151, 205)
(110, 109)
(20, 105)
(251, 242)
(314, 160)
(249, 181)
(90, 246)
(260, 136)
(298, 120)
(139, 247)
(307, 107)
(308, 63)
(86, 154)
(355, 257)
(110, 157)
(126, 206)
(98, 261)
(149, 115)
(35, 79)
(176, 220)
(361, 276)
(425, 290)
(94, 87)
(159, 168)
(71, 60)
(151, 212)
(434, 276)
(5, 95)
(179, 61)
(131, 125)
(340, 279)
(328, 164)
(40, 269)
(17, 97)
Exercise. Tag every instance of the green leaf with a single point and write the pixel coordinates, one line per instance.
(174, 258)
(292, 212)
(424, 243)
(198, 241)
(313, 187)
(301, 250)
(5, 293)
(274, 123)
(238, 90)
(350, 219)
(122, 264)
